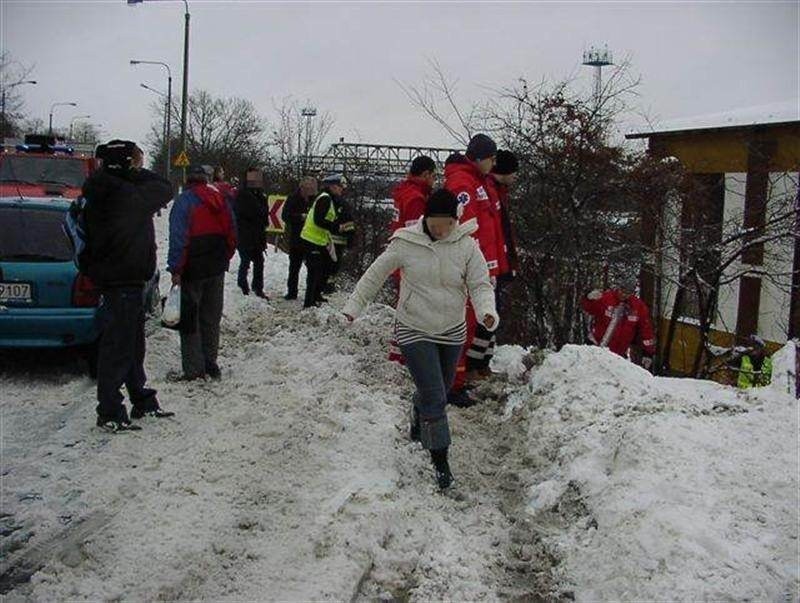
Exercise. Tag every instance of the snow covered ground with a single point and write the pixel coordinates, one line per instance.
(292, 478)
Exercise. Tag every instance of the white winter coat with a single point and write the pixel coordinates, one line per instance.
(437, 277)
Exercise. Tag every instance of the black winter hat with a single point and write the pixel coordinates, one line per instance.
(117, 155)
(506, 163)
(442, 204)
(481, 147)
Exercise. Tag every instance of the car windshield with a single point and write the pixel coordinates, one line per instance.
(33, 235)
(40, 170)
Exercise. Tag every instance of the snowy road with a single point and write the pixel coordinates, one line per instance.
(293, 479)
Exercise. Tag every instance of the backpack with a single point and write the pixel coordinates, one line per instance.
(75, 228)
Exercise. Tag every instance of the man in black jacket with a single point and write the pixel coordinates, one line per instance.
(121, 199)
(294, 215)
(252, 216)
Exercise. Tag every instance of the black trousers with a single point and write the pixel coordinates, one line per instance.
(296, 256)
(246, 256)
(120, 357)
(318, 266)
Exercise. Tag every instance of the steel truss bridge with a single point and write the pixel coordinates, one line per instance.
(358, 159)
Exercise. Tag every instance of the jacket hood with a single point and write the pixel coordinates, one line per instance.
(416, 233)
(209, 196)
(412, 183)
(458, 164)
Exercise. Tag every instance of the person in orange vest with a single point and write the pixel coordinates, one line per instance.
(410, 198)
(621, 319)
(466, 176)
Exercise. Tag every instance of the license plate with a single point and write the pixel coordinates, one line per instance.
(15, 292)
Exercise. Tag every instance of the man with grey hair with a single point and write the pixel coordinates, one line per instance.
(202, 240)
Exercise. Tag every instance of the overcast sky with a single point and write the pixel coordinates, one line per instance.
(694, 58)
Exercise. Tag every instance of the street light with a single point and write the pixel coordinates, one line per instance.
(168, 111)
(185, 92)
(164, 128)
(14, 85)
(72, 123)
(53, 106)
(308, 113)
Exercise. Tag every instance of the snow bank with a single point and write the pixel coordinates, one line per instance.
(670, 487)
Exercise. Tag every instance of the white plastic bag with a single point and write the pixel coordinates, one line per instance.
(171, 315)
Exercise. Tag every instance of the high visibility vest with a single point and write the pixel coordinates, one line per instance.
(748, 377)
(311, 231)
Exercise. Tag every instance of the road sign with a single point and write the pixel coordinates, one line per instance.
(182, 160)
(275, 203)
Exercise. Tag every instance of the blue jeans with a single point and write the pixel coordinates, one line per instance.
(433, 368)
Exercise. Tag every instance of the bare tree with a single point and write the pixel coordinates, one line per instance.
(436, 97)
(295, 137)
(706, 249)
(12, 72)
(220, 131)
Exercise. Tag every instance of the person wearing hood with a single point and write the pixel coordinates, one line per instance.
(121, 199)
(441, 265)
(202, 240)
(467, 177)
(252, 216)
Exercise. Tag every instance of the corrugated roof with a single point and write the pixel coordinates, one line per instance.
(773, 113)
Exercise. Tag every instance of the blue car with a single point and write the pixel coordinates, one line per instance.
(44, 300)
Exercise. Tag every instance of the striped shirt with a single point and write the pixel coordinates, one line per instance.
(406, 335)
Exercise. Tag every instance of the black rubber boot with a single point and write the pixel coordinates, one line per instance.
(443, 475)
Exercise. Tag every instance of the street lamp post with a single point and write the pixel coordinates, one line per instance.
(308, 113)
(52, 107)
(164, 130)
(14, 85)
(72, 123)
(168, 112)
(184, 95)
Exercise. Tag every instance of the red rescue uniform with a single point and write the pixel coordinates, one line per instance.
(633, 326)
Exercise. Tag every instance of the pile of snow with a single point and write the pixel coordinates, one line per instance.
(656, 487)
(578, 475)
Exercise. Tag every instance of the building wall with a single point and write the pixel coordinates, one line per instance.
(775, 298)
(773, 318)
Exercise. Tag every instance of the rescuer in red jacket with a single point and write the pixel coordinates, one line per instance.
(411, 195)
(500, 180)
(466, 176)
(620, 320)
(410, 199)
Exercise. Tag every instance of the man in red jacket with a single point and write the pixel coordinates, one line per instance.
(410, 199)
(411, 195)
(501, 180)
(621, 319)
(466, 176)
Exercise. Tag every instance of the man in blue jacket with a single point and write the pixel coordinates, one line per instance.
(202, 240)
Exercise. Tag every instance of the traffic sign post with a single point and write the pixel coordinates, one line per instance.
(182, 160)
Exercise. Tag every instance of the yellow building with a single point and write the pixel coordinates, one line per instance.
(748, 163)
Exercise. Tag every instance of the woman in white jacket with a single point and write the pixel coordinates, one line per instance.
(441, 265)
